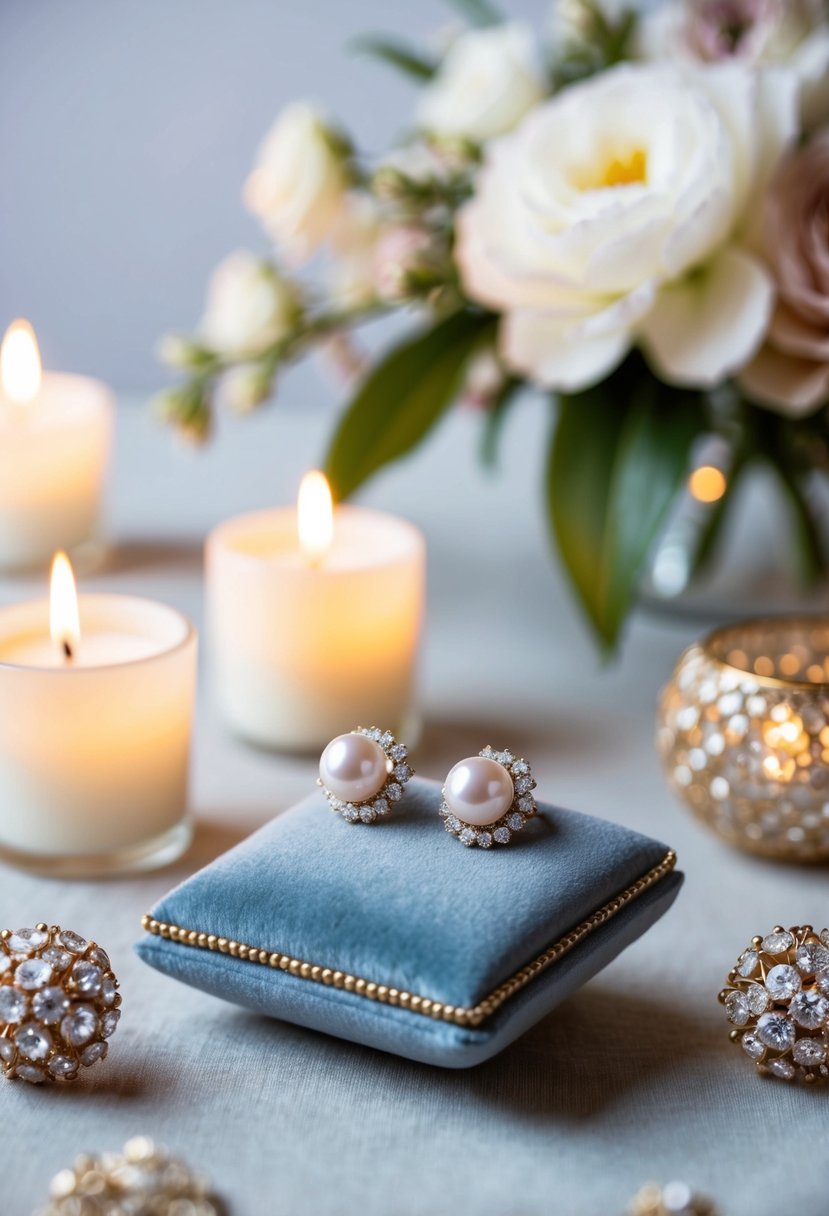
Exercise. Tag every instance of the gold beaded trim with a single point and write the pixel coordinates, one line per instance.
(407, 1000)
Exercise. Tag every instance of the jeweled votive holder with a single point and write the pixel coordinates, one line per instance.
(743, 731)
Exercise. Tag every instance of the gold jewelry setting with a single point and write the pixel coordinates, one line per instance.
(319, 973)
(363, 773)
(777, 999)
(519, 784)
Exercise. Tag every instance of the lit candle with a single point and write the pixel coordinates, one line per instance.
(55, 433)
(314, 619)
(96, 700)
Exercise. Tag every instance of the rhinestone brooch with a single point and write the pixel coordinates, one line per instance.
(777, 1000)
(143, 1179)
(59, 1004)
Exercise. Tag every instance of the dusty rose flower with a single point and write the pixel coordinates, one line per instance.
(792, 35)
(791, 371)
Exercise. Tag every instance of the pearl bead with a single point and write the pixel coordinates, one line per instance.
(479, 791)
(353, 767)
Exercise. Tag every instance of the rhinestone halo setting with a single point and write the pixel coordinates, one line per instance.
(778, 1004)
(381, 803)
(59, 1004)
(523, 806)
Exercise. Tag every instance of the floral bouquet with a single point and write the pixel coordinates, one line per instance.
(630, 214)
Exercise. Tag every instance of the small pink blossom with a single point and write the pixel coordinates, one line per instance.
(398, 252)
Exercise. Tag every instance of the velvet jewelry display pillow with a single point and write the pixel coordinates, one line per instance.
(396, 936)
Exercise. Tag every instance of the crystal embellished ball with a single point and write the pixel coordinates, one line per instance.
(144, 1179)
(743, 732)
(777, 1000)
(59, 1003)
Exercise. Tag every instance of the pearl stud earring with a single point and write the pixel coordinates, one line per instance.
(363, 773)
(487, 798)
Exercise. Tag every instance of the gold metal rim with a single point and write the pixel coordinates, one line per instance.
(388, 995)
(752, 624)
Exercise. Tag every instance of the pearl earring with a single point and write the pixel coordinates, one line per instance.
(487, 798)
(363, 773)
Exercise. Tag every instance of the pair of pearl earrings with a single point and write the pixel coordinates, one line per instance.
(486, 798)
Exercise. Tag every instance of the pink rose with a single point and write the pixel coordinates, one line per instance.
(791, 371)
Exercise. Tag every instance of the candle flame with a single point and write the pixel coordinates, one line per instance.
(315, 516)
(20, 369)
(64, 622)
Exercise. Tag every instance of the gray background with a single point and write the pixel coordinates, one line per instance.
(126, 132)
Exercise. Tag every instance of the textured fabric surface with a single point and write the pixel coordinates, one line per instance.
(631, 1078)
(402, 904)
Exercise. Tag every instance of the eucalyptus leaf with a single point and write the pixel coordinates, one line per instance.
(397, 54)
(402, 399)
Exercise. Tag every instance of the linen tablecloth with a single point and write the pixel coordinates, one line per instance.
(633, 1079)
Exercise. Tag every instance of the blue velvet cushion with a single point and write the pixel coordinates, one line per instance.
(396, 936)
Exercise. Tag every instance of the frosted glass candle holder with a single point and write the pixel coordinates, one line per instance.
(94, 754)
(743, 732)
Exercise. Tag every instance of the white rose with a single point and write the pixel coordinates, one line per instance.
(249, 307)
(299, 181)
(611, 215)
(488, 81)
(759, 33)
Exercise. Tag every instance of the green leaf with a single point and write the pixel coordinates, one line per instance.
(477, 12)
(494, 420)
(402, 400)
(618, 457)
(579, 473)
(397, 54)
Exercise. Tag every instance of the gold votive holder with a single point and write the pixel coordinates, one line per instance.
(743, 731)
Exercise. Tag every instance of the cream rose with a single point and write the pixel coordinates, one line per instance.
(299, 181)
(610, 217)
(249, 307)
(488, 81)
(791, 372)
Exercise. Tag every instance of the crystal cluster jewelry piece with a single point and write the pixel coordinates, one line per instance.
(59, 1003)
(142, 1180)
(364, 773)
(673, 1199)
(488, 798)
(744, 735)
(777, 1000)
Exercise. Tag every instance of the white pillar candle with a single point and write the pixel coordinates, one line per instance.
(313, 623)
(95, 735)
(55, 438)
